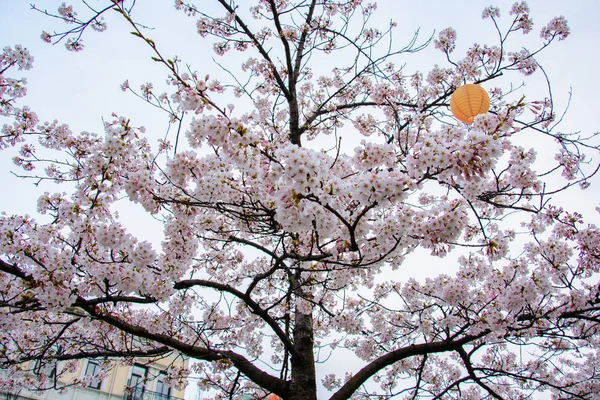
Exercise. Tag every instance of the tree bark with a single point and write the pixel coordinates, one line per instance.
(303, 384)
(295, 133)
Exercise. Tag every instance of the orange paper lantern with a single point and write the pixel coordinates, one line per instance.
(468, 101)
(273, 396)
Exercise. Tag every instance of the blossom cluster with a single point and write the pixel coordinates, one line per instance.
(557, 27)
(12, 89)
(446, 40)
(267, 237)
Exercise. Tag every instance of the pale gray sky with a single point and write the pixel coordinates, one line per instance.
(80, 89)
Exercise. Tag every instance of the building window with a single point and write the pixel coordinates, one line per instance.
(44, 367)
(92, 369)
(137, 381)
(163, 390)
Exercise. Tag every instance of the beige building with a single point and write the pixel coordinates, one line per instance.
(144, 380)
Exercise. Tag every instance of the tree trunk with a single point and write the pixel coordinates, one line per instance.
(295, 133)
(303, 385)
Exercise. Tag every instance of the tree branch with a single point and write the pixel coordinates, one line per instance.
(400, 354)
(255, 307)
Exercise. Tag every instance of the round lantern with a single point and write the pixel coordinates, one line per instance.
(273, 396)
(468, 101)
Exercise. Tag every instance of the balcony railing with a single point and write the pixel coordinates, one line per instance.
(143, 394)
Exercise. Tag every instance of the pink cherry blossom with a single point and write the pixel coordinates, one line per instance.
(297, 219)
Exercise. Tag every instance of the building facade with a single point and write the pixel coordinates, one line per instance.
(143, 380)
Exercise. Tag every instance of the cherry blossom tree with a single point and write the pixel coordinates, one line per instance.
(288, 218)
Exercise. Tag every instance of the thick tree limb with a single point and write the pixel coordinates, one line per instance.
(201, 353)
(255, 307)
(400, 354)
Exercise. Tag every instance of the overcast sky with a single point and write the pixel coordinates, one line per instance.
(80, 89)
